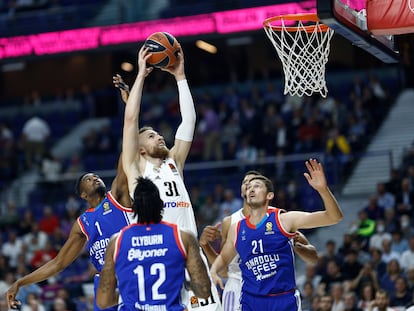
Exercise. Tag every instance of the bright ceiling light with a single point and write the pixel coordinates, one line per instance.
(126, 66)
(206, 46)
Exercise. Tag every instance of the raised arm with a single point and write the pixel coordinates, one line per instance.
(331, 215)
(200, 282)
(106, 294)
(68, 253)
(130, 154)
(119, 187)
(185, 131)
(227, 253)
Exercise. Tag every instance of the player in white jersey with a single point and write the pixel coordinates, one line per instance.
(232, 288)
(145, 154)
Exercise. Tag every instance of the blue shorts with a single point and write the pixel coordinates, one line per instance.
(283, 302)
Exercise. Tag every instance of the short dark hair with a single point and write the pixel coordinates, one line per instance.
(147, 202)
(267, 182)
(145, 128)
(382, 292)
(78, 184)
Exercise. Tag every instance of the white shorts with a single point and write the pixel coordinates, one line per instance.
(213, 303)
(200, 304)
(231, 295)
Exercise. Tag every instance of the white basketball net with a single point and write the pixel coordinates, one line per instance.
(304, 56)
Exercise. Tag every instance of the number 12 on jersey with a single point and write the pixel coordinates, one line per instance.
(157, 269)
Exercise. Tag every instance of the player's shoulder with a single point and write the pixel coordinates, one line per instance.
(89, 210)
(276, 211)
(226, 220)
(168, 224)
(94, 212)
(88, 216)
(88, 213)
(110, 203)
(273, 209)
(237, 216)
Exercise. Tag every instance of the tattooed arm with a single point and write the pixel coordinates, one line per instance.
(107, 294)
(200, 282)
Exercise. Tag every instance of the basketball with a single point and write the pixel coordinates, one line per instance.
(164, 49)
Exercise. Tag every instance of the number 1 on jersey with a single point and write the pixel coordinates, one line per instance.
(98, 227)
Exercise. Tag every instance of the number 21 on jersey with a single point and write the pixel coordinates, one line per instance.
(257, 247)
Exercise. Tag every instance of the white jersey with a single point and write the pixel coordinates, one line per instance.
(233, 268)
(232, 288)
(177, 204)
(178, 210)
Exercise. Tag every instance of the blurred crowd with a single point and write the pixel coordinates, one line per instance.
(373, 267)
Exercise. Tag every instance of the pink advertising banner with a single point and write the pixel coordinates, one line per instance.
(92, 38)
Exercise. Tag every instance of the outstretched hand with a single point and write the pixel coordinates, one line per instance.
(122, 86)
(177, 70)
(217, 281)
(11, 297)
(210, 234)
(143, 56)
(300, 238)
(315, 176)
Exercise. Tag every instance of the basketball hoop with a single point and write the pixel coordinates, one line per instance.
(303, 49)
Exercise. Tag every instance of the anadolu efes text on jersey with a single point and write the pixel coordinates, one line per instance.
(263, 266)
(266, 255)
(100, 223)
(97, 250)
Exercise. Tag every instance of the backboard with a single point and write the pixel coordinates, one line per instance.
(349, 19)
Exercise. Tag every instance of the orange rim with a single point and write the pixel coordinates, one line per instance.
(310, 17)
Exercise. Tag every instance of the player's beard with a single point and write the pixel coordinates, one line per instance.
(159, 152)
(101, 190)
(255, 204)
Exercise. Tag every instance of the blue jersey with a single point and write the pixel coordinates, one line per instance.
(149, 265)
(100, 223)
(267, 258)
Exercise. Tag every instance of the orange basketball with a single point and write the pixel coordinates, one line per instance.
(164, 49)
